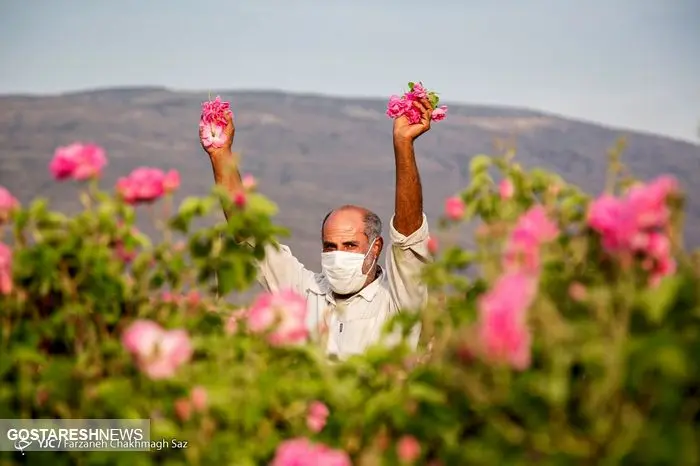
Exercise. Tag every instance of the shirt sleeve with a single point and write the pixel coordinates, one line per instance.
(280, 270)
(404, 264)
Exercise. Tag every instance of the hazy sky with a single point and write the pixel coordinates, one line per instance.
(630, 63)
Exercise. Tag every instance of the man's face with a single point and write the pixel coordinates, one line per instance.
(345, 231)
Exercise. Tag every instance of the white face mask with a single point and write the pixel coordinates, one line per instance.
(344, 270)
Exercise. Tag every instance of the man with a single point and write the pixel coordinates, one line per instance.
(352, 298)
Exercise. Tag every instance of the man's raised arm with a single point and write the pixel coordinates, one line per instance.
(408, 228)
(224, 163)
(279, 269)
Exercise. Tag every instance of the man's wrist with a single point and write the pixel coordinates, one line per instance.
(402, 142)
(222, 154)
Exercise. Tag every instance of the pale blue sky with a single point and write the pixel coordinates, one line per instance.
(629, 63)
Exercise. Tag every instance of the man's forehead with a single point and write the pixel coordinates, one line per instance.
(348, 224)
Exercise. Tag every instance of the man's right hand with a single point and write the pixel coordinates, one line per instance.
(225, 150)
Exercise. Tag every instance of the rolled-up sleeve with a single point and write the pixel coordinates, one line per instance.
(404, 264)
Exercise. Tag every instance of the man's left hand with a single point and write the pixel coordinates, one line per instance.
(407, 132)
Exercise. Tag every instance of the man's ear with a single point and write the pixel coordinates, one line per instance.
(378, 246)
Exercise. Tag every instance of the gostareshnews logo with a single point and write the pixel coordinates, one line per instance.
(26, 435)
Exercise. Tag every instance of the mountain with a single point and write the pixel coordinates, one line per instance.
(312, 153)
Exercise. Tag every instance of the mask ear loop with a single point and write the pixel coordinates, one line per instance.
(374, 261)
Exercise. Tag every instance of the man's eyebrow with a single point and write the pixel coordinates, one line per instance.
(350, 243)
(328, 243)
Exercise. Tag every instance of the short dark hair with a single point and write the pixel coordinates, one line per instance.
(373, 224)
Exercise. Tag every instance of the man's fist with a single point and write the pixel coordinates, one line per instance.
(225, 139)
(407, 132)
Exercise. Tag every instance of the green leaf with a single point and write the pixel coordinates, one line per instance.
(259, 204)
(228, 277)
(479, 164)
(411, 85)
(424, 392)
(656, 302)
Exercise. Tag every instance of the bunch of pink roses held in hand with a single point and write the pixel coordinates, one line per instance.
(213, 122)
(404, 105)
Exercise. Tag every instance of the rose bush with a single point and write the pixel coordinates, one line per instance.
(568, 335)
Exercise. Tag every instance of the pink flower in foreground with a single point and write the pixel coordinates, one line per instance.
(8, 203)
(503, 332)
(199, 398)
(78, 161)
(454, 208)
(433, 245)
(239, 200)
(183, 408)
(158, 352)
(439, 113)
(147, 184)
(636, 225)
(506, 189)
(171, 182)
(302, 452)
(614, 220)
(408, 449)
(317, 416)
(532, 230)
(577, 291)
(5, 269)
(231, 325)
(249, 182)
(283, 314)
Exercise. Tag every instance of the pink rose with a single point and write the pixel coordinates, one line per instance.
(433, 245)
(454, 208)
(231, 325)
(78, 161)
(439, 113)
(249, 183)
(506, 189)
(158, 352)
(212, 135)
(503, 332)
(199, 398)
(183, 409)
(633, 224)
(171, 181)
(397, 106)
(532, 229)
(418, 92)
(239, 200)
(8, 203)
(146, 184)
(213, 122)
(413, 115)
(5, 269)
(317, 416)
(302, 452)
(577, 291)
(408, 449)
(282, 314)
(215, 112)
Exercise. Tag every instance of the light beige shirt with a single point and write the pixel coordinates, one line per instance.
(349, 327)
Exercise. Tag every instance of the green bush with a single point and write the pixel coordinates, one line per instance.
(600, 365)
